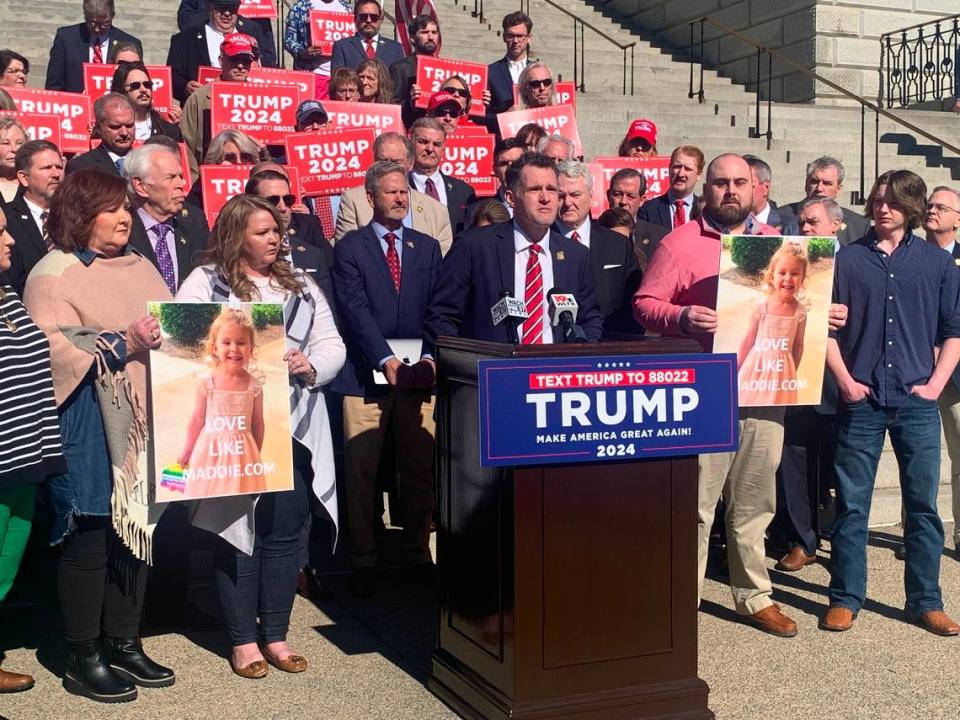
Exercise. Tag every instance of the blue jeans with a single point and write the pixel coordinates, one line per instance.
(915, 435)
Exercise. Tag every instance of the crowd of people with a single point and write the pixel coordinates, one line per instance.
(412, 253)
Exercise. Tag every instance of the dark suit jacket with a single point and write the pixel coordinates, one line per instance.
(195, 12)
(615, 276)
(188, 51)
(29, 247)
(350, 52)
(190, 239)
(854, 227)
(70, 50)
(96, 159)
(500, 85)
(159, 126)
(312, 253)
(659, 211)
(480, 267)
(460, 195)
(403, 73)
(371, 309)
(646, 239)
(782, 219)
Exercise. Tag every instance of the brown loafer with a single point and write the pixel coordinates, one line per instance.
(772, 621)
(938, 622)
(293, 663)
(254, 671)
(837, 619)
(795, 560)
(11, 682)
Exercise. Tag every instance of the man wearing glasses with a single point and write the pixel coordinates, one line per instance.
(367, 44)
(503, 74)
(86, 42)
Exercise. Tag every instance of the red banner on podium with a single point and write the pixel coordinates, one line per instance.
(98, 78)
(655, 170)
(433, 72)
(301, 79)
(222, 182)
(38, 127)
(558, 119)
(73, 109)
(328, 27)
(267, 113)
(379, 116)
(470, 158)
(330, 161)
(258, 9)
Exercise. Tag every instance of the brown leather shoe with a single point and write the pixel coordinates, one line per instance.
(293, 663)
(254, 671)
(11, 682)
(938, 622)
(795, 560)
(837, 619)
(772, 621)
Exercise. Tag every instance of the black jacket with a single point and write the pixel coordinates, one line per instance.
(29, 248)
(190, 239)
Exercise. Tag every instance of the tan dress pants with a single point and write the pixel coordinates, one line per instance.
(949, 401)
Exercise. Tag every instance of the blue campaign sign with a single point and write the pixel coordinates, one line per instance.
(601, 408)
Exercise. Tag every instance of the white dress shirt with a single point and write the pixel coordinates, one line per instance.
(35, 211)
(143, 129)
(583, 231)
(214, 41)
(521, 245)
(516, 67)
(764, 214)
(687, 202)
(420, 183)
(104, 47)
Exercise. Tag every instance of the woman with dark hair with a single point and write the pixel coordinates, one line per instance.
(640, 140)
(257, 563)
(89, 296)
(375, 83)
(617, 219)
(345, 85)
(529, 135)
(133, 80)
(14, 69)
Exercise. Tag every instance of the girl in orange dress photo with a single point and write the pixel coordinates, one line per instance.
(221, 454)
(773, 346)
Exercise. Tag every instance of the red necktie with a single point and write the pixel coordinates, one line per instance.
(431, 189)
(680, 214)
(371, 50)
(97, 52)
(533, 297)
(393, 259)
(324, 211)
(575, 236)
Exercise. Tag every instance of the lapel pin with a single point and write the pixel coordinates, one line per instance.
(183, 241)
(301, 248)
(410, 244)
(419, 208)
(561, 256)
(646, 241)
(956, 261)
(291, 231)
(843, 226)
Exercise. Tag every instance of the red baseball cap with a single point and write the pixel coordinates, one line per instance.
(240, 44)
(643, 129)
(441, 98)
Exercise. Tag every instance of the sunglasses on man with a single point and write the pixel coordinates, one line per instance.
(288, 200)
(459, 92)
(145, 84)
(447, 111)
(537, 84)
(368, 17)
(241, 159)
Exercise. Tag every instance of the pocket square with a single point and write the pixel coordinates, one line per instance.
(610, 267)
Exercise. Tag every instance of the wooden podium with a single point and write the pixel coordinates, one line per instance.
(566, 591)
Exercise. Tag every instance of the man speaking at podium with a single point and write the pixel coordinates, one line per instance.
(523, 259)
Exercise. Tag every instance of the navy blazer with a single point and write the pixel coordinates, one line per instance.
(500, 85)
(659, 211)
(71, 49)
(29, 247)
(312, 253)
(460, 196)
(480, 267)
(350, 52)
(370, 308)
(96, 159)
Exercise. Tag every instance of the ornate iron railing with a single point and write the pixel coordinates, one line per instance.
(919, 63)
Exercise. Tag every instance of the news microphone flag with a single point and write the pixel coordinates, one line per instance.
(405, 11)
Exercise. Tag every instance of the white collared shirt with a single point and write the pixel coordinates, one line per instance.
(583, 231)
(949, 248)
(214, 41)
(521, 245)
(687, 202)
(764, 214)
(516, 67)
(143, 129)
(420, 183)
(35, 211)
(104, 47)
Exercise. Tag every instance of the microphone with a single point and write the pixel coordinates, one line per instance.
(509, 310)
(562, 307)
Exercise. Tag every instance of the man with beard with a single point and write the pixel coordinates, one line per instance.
(133, 80)
(677, 298)
(114, 123)
(367, 44)
(424, 34)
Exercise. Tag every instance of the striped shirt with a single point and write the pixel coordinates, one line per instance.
(30, 446)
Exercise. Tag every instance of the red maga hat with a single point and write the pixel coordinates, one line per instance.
(643, 129)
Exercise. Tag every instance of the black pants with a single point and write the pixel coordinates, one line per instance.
(100, 583)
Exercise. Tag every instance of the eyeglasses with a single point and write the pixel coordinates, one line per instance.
(447, 112)
(288, 200)
(145, 84)
(459, 92)
(940, 209)
(244, 158)
(513, 37)
(537, 84)
(368, 17)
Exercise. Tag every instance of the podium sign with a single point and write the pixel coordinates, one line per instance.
(606, 408)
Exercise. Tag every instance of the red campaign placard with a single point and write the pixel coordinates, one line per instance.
(379, 116)
(566, 94)
(328, 27)
(258, 9)
(433, 72)
(470, 158)
(331, 161)
(207, 74)
(656, 171)
(305, 81)
(73, 109)
(265, 112)
(220, 183)
(471, 130)
(38, 127)
(98, 78)
(558, 119)
(598, 197)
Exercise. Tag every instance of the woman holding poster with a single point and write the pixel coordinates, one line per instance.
(259, 555)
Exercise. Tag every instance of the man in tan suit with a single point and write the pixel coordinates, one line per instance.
(424, 214)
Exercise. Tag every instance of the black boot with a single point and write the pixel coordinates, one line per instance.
(88, 674)
(128, 660)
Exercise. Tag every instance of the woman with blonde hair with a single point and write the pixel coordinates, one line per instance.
(258, 560)
(232, 147)
(12, 136)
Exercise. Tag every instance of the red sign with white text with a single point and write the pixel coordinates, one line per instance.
(38, 127)
(73, 109)
(470, 158)
(558, 119)
(265, 112)
(330, 161)
(222, 182)
(258, 9)
(328, 27)
(565, 92)
(98, 78)
(433, 72)
(305, 81)
(655, 170)
(207, 74)
(598, 197)
(379, 116)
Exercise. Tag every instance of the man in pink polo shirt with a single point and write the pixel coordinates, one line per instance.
(677, 297)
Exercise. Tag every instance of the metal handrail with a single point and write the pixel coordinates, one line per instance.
(864, 104)
(927, 22)
(922, 67)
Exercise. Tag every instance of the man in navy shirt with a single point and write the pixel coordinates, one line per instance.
(903, 296)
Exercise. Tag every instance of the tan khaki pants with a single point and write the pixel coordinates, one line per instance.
(949, 401)
(747, 481)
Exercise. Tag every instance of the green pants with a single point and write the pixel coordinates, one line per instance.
(16, 514)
